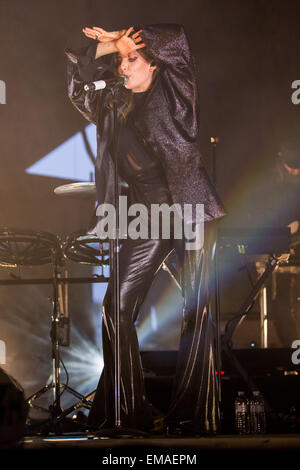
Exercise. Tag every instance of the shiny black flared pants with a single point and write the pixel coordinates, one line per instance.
(194, 397)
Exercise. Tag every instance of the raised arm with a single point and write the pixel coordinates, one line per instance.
(168, 45)
(121, 41)
(87, 65)
(81, 68)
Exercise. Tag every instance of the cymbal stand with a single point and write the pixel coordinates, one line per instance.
(55, 409)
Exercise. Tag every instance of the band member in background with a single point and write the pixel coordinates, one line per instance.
(285, 306)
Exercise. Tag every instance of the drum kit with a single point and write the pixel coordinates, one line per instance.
(30, 248)
(27, 248)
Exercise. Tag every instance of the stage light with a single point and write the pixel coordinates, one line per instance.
(83, 361)
(70, 160)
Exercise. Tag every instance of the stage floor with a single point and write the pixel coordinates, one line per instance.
(222, 442)
(91, 449)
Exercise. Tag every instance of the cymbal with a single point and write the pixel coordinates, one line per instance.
(81, 189)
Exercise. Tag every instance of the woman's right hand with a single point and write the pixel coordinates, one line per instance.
(121, 40)
(101, 35)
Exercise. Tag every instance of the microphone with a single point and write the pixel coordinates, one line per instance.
(110, 83)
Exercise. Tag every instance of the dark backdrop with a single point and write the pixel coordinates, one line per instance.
(247, 54)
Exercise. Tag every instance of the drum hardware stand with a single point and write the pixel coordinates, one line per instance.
(56, 412)
(35, 251)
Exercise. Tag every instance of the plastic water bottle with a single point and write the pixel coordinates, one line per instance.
(242, 418)
(257, 413)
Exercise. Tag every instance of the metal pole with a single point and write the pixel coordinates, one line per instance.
(55, 340)
(116, 270)
(263, 318)
(214, 141)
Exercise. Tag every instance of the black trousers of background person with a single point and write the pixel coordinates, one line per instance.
(194, 398)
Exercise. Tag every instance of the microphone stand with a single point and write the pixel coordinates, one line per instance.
(118, 431)
(114, 249)
(214, 141)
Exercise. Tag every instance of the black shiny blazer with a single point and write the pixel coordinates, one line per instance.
(168, 120)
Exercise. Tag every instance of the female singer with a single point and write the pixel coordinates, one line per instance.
(158, 157)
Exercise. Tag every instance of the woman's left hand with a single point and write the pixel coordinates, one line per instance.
(127, 44)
